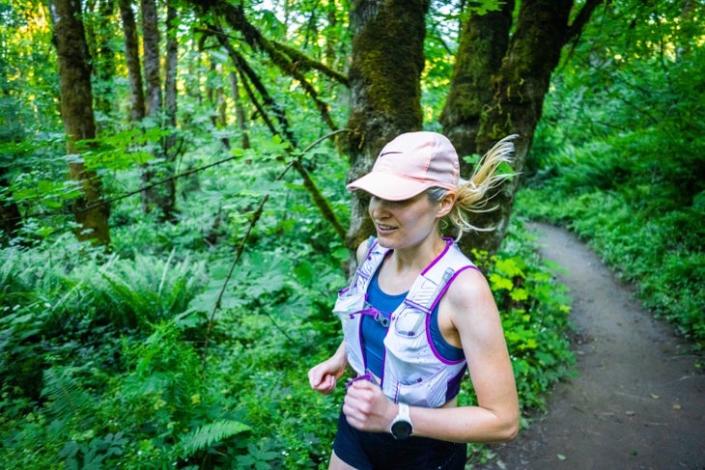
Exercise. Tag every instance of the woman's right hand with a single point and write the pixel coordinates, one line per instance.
(324, 376)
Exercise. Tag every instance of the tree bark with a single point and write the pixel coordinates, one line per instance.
(77, 114)
(518, 90)
(150, 47)
(132, 58)
(240, 120)
(104, 57)
(483, 43)
(10, 218)
(387, 60)
(170, 95)
(159, 197)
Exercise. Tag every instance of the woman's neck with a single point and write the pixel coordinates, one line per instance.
(416, 258)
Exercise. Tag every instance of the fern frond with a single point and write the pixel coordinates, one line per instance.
(66, 397)
(209, 434)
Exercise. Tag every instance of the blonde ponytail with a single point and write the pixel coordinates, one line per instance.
(472, 194)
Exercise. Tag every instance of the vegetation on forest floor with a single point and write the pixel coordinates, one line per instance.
(102, 354)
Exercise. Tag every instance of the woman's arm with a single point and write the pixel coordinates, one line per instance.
(496, 418)
(323, 377)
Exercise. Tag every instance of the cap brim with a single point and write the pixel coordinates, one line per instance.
(389, 186)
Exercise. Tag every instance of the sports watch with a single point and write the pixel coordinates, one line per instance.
(401, 427)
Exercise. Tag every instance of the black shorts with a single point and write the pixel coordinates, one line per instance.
(371, 450)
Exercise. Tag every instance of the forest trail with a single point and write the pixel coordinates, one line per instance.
(637, 400)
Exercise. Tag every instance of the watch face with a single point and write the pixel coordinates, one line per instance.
(401, 429)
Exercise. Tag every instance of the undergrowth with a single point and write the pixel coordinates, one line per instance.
(103, 357)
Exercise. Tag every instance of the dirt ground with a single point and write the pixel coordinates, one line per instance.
(638, 401)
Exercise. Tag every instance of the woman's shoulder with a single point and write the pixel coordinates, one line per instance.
(361, 251)
(469, 289)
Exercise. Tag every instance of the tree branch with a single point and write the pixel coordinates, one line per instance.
(576, 27)
(304, 62)
(235, 16)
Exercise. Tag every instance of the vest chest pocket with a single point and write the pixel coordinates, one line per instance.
(409, 322)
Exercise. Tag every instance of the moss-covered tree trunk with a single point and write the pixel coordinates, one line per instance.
(240, 120)
(170, 105)
(104, 58)
(150, 53)
(132, 59)
(387, 60)
(483, 43)
(77, 114)
(518, 89)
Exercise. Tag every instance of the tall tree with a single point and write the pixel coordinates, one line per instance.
(519, 82)
(150, 49)
(387, 60)
(104, 62)
(240, 120)
(132, 59)
(161, 197)
(170, 98)
(77, 114)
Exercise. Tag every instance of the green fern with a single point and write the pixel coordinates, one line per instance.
(209, 434)
(67, 399)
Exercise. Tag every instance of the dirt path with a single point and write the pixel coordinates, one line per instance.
(637, 402)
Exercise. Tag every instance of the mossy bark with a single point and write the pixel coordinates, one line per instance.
(387, 61)
(483, 43)
(518, 88)
(132, 59)
(77, 115)
(104, 57)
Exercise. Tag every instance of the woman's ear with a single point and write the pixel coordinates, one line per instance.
(446, 204)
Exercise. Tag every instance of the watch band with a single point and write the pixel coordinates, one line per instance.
(401, 427)
(403, 413)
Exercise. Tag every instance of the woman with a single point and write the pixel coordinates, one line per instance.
(416, 315)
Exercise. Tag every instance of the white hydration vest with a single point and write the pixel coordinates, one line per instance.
(414, 372)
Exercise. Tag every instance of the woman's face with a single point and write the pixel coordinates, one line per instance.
(401, 224)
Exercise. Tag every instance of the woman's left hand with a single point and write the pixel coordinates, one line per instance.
(368, 409)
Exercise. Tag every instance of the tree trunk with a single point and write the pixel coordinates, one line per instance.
(150, 48)
(221, 105)
(10, 218)
(240, 120)
(483, 43)
(387, 60)
(104, 57)
(518, 90)
(156, 196)
(77, 114)
(132, 58)
(330, 34)
(172, 54)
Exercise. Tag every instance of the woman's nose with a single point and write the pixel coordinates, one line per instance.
(377, 207)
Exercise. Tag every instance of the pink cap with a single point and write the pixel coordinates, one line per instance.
(410, 164)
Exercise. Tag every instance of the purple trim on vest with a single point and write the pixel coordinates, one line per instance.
(370, 248)
(449, 243)
(384, 358)
(366, 376)
(362, 343)
(429, 340)
(408, 301)
(450, 281)
(454, 384)
(436, 353)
